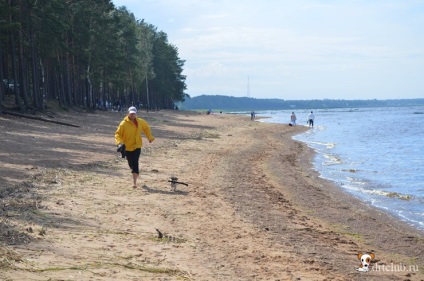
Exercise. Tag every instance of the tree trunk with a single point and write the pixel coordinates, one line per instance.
(2, 86)
(147, 94)
(80, 88)
(43, 85)
(13, 59)
(23, 81)
(60, 82)
(68, 80)
(14, 70)
(35, 78)
(89, 89)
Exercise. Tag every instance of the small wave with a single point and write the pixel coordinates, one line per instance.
(417, 223)
(357, 181)
(331, 160)
(419, 214)
(397, 195)
(350, 170)
(328, 145)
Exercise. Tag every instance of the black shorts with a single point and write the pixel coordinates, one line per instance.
(132, 158)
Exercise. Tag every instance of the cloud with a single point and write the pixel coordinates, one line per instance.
(309, 49)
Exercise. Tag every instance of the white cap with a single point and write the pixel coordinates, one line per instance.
(132, 109)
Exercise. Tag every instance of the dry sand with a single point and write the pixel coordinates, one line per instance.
(253, 209)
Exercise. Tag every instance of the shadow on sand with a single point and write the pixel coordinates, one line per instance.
(168, 192)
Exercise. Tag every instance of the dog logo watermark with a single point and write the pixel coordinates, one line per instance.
(365, 261)
(367, 258)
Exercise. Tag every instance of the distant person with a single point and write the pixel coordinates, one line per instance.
(293, 119)
(252, 115)
(128, 137)
(311, 118)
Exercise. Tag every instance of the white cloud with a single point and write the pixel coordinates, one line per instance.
(304, 48)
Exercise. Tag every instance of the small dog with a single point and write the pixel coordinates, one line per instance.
(365, 261)
(174, 181)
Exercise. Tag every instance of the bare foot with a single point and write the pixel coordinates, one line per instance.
(134, 186)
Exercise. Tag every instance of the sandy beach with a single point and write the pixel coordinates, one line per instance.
(254, 209)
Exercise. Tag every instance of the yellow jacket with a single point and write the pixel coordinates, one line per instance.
(130, 135)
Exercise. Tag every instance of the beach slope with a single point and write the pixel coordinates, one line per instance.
(253, 209)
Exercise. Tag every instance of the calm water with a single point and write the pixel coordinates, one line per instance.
(377, 154)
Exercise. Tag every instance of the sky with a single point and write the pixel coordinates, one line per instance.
(294, 49)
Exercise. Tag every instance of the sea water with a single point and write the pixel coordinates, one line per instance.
(377, 154)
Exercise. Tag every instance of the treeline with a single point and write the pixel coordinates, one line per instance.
(85, 53)
(217, 102)
(228, 103)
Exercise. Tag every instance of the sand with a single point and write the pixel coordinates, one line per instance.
(253, 209)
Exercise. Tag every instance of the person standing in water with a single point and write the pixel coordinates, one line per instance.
(293, 119)
(311, 118)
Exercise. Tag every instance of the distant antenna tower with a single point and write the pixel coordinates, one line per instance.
(248, 87)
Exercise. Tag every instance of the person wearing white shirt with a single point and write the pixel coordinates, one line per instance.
(293, 119)
(311, 118)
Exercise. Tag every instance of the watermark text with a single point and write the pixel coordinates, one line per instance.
(394, 267)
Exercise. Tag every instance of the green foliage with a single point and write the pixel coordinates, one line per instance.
(229, 103)
(168, 84)
(87, 51)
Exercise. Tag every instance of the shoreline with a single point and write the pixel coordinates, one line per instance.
(254, 207)
(413, 224)
(350, 215)
(387, 184)
(348, 198)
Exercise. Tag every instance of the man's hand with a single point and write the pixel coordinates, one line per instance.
(121, 147)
